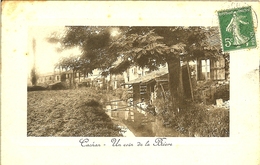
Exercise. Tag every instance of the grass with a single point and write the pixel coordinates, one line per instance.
(203, 121)
(68, 113)
(195, 119)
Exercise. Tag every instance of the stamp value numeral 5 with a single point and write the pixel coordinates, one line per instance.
(228, 42)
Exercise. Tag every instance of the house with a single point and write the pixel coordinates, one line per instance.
(134, 72)
(212, 80)
(49, 78)
(60, 76)
(144, 90)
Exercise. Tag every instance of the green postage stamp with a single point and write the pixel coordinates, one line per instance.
(237, 29)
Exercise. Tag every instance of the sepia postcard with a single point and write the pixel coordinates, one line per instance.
(123, 82)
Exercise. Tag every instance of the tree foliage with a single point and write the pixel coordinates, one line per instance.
(152, 47)
(148, 47)
(94, 43)
(74, 63)
(143, 46)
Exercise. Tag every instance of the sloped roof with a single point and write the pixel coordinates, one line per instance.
(149, 76)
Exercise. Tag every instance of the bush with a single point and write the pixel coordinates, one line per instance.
(36, 88)
(194, 119)
(209, 91)
(92, 103)
(199, 120)
(222, 92)
(58, 86)
(84, 84)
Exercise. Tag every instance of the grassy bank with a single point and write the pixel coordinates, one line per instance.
(68, 113)
(202, 121)
(199, 121)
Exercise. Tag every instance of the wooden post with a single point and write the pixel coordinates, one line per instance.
(164, 95)
(79, 76)
(191, 88)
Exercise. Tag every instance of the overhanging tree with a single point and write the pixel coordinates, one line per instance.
(151, 47)
(147, 47)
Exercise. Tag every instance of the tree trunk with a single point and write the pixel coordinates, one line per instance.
(180, 88)
(79, 76)
(103, 82)
(70, 79)
(85, 75)
(73, 78)
(189, 75)
(110, 81)
(175, 83)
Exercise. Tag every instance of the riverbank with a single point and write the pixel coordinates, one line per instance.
(68, 113)
(136, 122)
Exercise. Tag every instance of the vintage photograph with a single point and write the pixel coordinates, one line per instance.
(133, 82)
(127, 81)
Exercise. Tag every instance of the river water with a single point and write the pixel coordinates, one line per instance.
(136, 122)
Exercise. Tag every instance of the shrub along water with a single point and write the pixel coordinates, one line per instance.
(195, 119)
(201, 120)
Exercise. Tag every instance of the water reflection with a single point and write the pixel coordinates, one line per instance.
(138, 121)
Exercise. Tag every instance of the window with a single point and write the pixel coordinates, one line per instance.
(217, 69)
(135, 70)
(204, 69)
(58, 78)
(211, 69)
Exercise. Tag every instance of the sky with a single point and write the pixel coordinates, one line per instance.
(45, 53)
